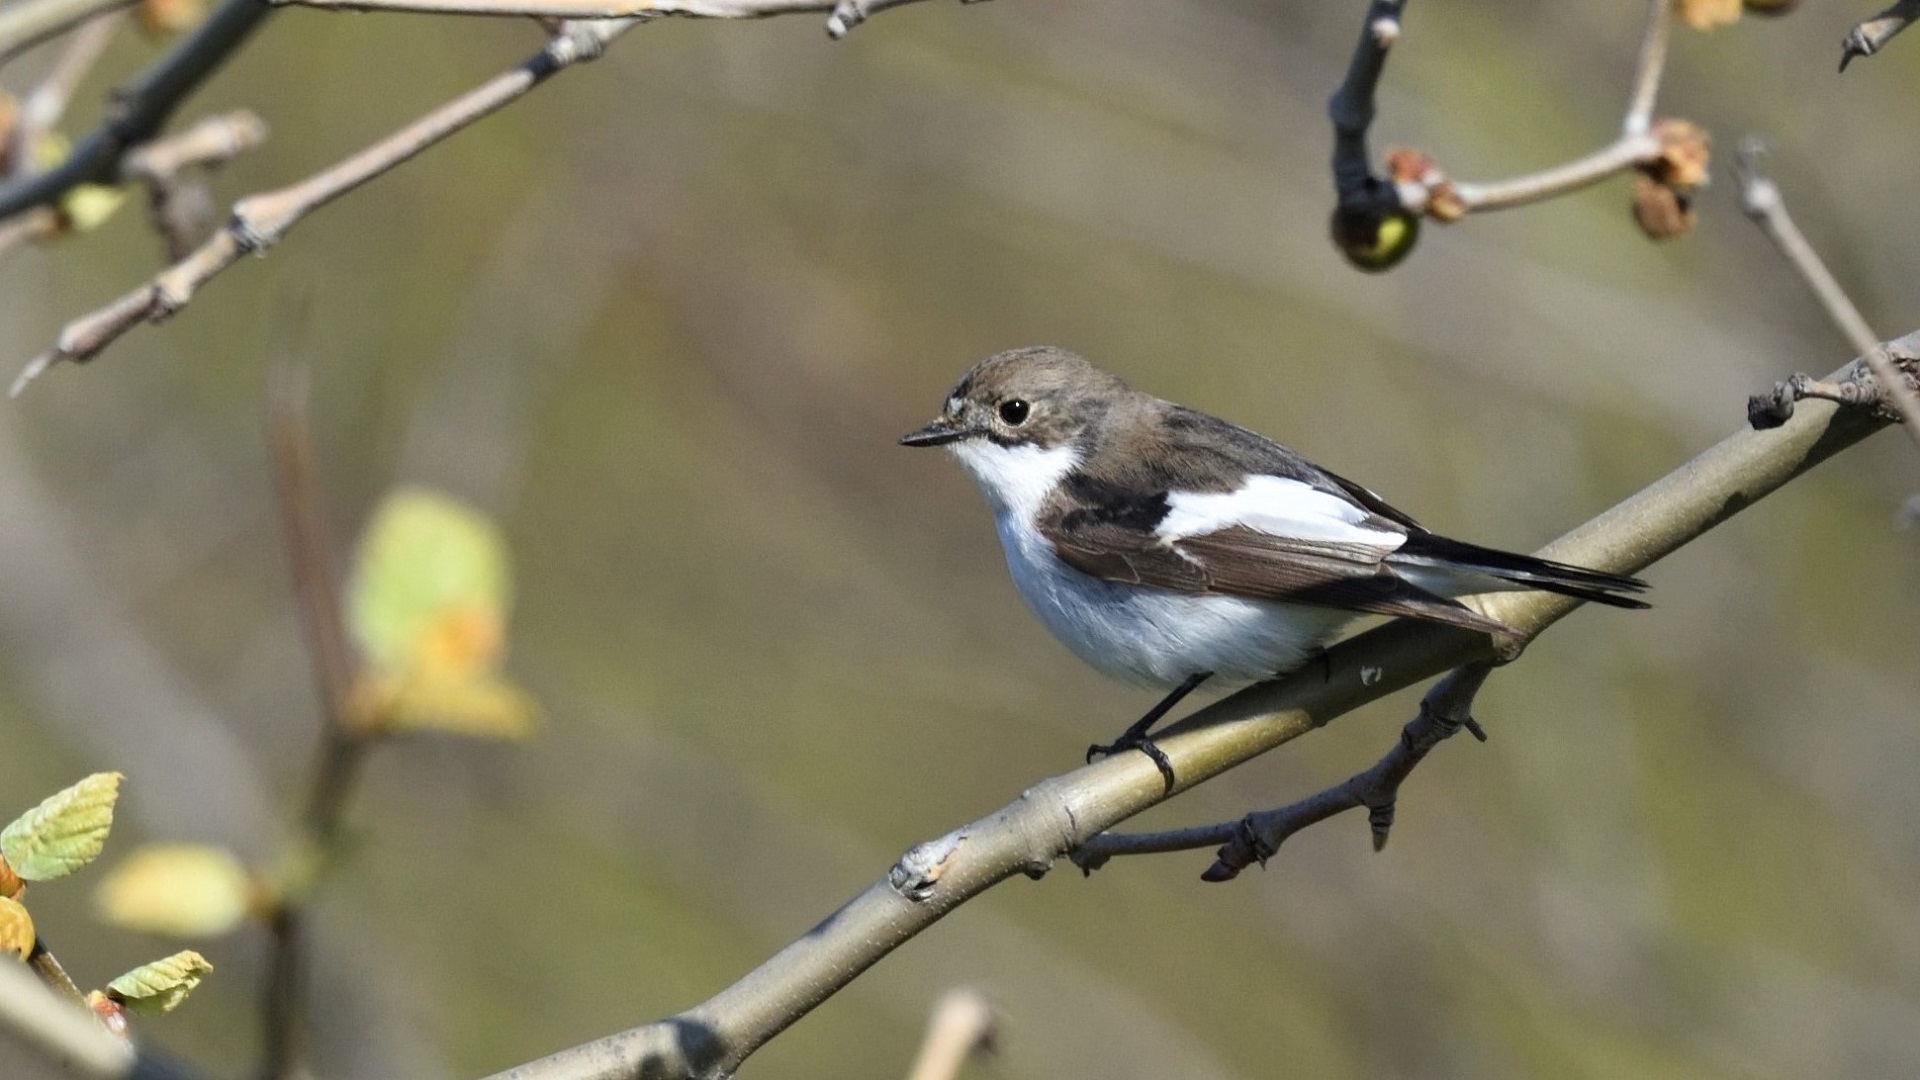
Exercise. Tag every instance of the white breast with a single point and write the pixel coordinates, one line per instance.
(1133, 632)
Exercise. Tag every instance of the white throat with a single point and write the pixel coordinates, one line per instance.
(1015, 479)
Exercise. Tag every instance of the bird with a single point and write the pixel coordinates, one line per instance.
(1166, 547)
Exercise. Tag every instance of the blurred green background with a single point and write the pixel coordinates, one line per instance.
(665, 318)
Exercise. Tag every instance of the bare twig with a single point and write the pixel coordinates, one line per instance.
(1648, 67)
(962, 1024)
(48, 101)
(1872, 35)
(259, 221)
(1413, 184)
(343, 746)
(1056, 816)
(27, 23)
(1256, 837)
(43, 963)
(843, 15)
(178, 201)
(138, 111)
(1761, 199)
(39, 223)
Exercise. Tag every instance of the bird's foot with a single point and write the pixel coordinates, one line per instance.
(1131, 740)
(1135, 737)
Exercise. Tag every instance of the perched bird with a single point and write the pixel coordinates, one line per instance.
(1166, 546)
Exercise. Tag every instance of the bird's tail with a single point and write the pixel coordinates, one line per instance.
(1461, 562)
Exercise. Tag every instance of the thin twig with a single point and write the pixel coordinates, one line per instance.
(212, 141)
(1256, 837)
(1363, 200)
(48, 101)
(1760, 197)
(962, 1025)
(44, 964)
(39, 223)
(1626, 152)
(1650, 64)
(259, 221)
(342, 748)
(1871, 36)
(138, 112)
(843, 14)
(27, 23)
(1055, 816)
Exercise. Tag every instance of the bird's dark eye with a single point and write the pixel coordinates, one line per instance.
(1014, 412)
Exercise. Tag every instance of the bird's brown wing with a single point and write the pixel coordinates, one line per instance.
(1245, 562)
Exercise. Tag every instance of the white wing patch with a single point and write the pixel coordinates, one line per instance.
(1277, 506)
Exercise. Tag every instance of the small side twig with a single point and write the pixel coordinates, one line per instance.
(342, 748)
(45, 965)
(48, 100)
(172, 170)
(30, 22)
(1761, 199)
(1446, 709)
(1872, 35)
(962, 1025)
(1413, 184)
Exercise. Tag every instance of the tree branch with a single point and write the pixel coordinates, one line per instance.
(70, 1035)
(962, 1024)
(1871, 36)
(139, 111)
(1057, 815)
(29, 22)
(259, 221)
(843, 15)
(1760, 197)
(1256, 837)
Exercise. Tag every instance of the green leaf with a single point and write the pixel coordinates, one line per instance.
(431, 587)
(65, 832)
(16, 928)
(184, 890)
(161, 985)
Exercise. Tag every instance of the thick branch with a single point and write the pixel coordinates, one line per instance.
(1057, 815)
(1872, 35)
(139, 111)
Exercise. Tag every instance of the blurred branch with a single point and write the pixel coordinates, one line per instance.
(343, 745)
(1446, 708)
(259, 221)
(1058, 815)
(962, 1024)
(48, 100)
(27, 23)
(1761, 199)
(70, 1036)
(137, 112)
(1871, 36)
(843, 15)
(1648, 67)
(179, 204)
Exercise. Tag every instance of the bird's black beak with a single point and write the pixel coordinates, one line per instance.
(938, 433)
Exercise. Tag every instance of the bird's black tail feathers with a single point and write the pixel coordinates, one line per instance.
(1555, 577)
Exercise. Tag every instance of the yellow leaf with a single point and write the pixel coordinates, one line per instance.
(65, 832)
(484, 707)
(16, 928)
(430, 587)
(183, 890)
(1707, 14)
(161, 985)
(88, 206)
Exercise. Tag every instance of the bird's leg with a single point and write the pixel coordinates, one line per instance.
(1135, 737)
